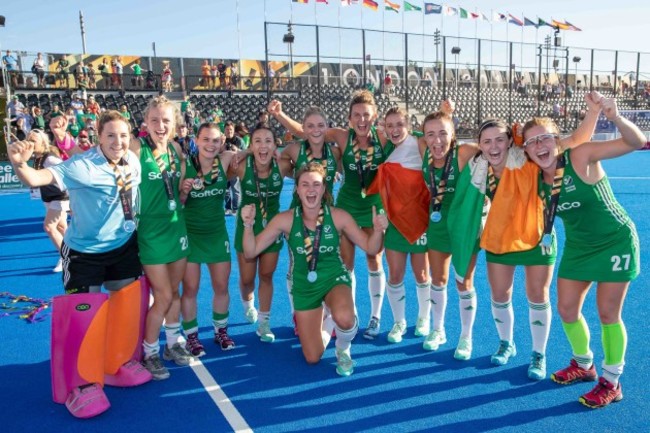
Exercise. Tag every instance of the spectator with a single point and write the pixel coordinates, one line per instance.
(105, 71)
(137, 81)
(82, 85)
(83, 140)
(263, 116)
(150, 82)
(184, 140)
(62, 72)
(205, 75)
(93, 106)
(56, 111)
(167, 80)
(234, 143)
(77, 105)
(39, 69)
(221, 69)
(92, 79)
(234, 75)
(272, 80)
(242, 132)
(188, 117)
(15, 107)
(388, 83)
(11, 64)
(124, 111)
(213, 76)
(38, 119)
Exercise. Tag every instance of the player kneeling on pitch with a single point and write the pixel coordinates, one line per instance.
(313, 231)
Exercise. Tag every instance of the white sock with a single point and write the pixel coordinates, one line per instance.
(151, 348)
(439, 305)
(504, 319)
(424, 300)
(328, 326)
(539, 316)
(174, 334)
(397, 301)
(612, 372)
(218, 324)
(344, 337)
(467, 306)
(263, 316)
(376, 289)
(353, 286)
(248, 304)
(290, 291)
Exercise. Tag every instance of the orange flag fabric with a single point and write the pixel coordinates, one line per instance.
(405, 197)
(516, 218)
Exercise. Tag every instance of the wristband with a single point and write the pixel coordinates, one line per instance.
(249, 226)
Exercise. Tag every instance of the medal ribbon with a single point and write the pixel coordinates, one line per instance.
(438, 191)
(124, 187)
(166, 175)
(311, 157)
(491, 182)
(550, 205)
(263, 204)
(213, 175)
(312, 246)
(367, 161)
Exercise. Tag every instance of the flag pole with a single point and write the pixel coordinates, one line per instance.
(491, 36)
(521, 60)
(340, 54)
(239, 37)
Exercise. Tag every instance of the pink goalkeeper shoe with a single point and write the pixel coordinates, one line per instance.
(87, 401)
(130, 374)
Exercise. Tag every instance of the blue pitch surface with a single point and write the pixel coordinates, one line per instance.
(395, 387)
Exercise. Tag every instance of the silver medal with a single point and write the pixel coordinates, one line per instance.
(197, 184)
(312, 276)
(129, 226)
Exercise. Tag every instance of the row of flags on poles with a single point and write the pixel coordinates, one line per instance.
(461, 13)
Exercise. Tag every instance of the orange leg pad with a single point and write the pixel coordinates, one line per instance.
(127, 310)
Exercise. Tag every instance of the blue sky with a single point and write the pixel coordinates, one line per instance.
(210, 28)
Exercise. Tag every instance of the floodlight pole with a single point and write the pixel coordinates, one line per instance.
(83, 32)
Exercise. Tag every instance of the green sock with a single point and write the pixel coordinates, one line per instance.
(578, 336)
(614, 339)
(219, 320)
(191, 327)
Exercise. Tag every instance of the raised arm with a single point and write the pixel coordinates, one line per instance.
(275, 109)
(62, 139)
(631, 137)
(338, 135)
(254, 245)
(586, 128)
(372, 243)
(19, 153)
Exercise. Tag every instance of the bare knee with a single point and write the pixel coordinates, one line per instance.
(567, 313)
(312, 357)
(266, 277)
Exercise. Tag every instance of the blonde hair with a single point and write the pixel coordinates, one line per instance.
(545, 122)
(162, 102)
